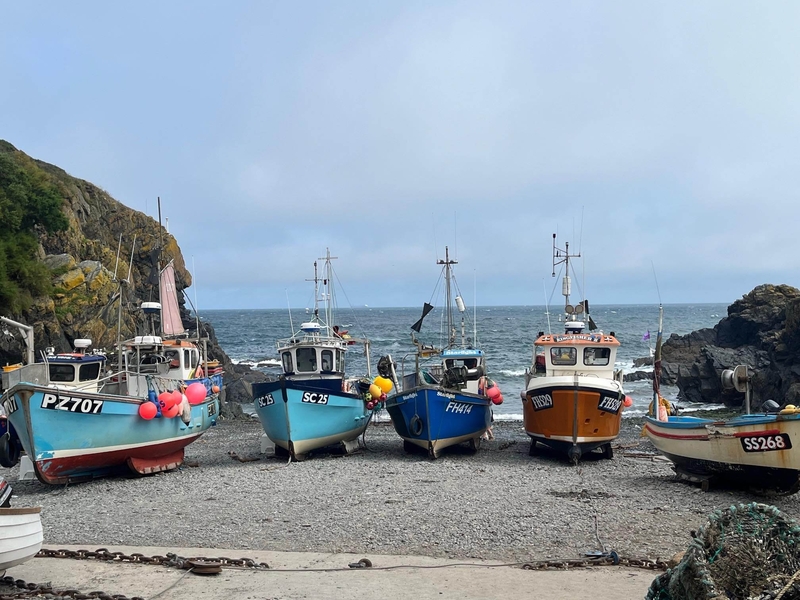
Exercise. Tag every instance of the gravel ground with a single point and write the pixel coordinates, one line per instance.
(497, 504)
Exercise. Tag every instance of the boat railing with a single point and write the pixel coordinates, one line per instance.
(35, 373)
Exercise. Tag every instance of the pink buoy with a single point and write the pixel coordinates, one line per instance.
(627, 402)
(493, 392)
(498, 399)
(195, 393)
(370, 405)
(177, 397)
(172, 411)
(147, 410)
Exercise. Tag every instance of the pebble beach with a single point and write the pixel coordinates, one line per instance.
(498, 504)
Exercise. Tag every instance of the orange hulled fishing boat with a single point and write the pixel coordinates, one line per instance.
(573, 396)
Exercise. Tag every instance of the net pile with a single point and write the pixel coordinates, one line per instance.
(750, 551)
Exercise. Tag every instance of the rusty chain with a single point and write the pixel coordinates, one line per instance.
(170, 560)
(608, 559)
(197, 564)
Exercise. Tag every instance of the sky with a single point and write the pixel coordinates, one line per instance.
(661, 139)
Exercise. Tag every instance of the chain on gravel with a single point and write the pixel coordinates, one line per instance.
(197, 564)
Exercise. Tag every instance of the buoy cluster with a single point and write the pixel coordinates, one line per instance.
(378, 389)
(170, 404)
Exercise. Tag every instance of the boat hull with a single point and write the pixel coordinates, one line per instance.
(72, 436)
(301, 416)
(572, 414)
(20, 535)
(434, 419)
(760, 451)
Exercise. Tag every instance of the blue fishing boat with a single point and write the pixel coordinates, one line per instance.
(76, 419)
(313, 403)
(447, 397)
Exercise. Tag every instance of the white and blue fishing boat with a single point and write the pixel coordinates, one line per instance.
(313, 404)
(760, 450)
(76, 419)
(447, 397)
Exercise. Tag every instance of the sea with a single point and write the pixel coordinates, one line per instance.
(505, 333)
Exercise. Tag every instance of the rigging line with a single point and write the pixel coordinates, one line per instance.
(352, 308)
(577, 285)
(546, 309)
(658, 290)
(555, 285)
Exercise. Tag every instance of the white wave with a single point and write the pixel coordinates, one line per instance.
(512, 372)
(269, 362)
(508, 417)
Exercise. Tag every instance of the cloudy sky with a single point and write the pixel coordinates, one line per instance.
(653, 135)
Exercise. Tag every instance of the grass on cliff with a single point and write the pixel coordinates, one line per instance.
(30, 201)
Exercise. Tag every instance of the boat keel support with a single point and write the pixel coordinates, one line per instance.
(147, 466)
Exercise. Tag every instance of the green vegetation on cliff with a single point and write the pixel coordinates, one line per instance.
(29, 201)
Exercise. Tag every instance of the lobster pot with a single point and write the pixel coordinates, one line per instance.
(746, 551)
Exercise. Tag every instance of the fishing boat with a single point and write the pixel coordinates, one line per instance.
(447, 397)
(758, 450)
(313, 404)
(573, 397)
(20, 531)
(77, 417)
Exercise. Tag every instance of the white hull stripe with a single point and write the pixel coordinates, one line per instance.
(53, 454)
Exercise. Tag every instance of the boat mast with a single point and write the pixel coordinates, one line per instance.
(330, 303)
(447, 263)
(316, 291)
(562, 256)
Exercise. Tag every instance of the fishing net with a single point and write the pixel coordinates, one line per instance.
(750, 551)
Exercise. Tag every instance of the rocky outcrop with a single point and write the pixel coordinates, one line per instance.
(762, 331)
(101, 269)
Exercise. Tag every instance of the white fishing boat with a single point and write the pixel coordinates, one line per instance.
(20, 531)
(758, 450)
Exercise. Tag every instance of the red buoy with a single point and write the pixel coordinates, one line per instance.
(147, 410)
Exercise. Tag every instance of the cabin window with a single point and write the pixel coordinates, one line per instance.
(288, 367)
(306, 360)
(89, 371)
(174, 358)
(340, 362)
(563, 356)
(597, 357)
(539, 362)
(327, 360)
(62, 372)
(186, 359)
(195, 358)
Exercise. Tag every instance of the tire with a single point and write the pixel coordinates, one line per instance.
(415, 426)
(9, 451)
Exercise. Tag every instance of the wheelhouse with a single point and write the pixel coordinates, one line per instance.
(575, 353)
(75, 369)
(467, 365)
(307, 360)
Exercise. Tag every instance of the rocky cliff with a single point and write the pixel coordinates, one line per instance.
(101, 268)
(762, 331)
